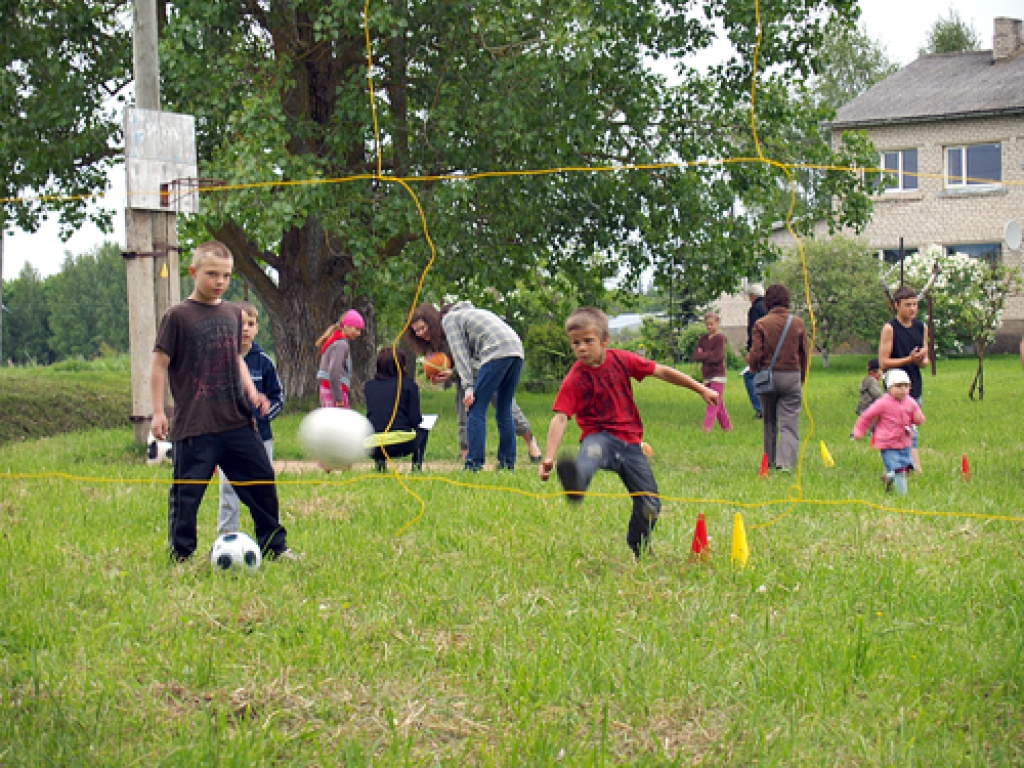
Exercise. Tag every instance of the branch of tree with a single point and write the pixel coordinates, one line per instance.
(247, 260)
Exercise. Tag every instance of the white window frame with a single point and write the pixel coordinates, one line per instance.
(898, 174)
(962, 182)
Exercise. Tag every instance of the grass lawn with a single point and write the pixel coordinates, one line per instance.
(505, 627)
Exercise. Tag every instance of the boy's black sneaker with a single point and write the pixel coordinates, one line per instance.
(569, 476)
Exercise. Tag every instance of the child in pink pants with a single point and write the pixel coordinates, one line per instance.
(710, 353)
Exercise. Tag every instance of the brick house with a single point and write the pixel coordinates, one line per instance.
(949, 129)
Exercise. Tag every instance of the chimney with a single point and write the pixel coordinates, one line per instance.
(1007, 38)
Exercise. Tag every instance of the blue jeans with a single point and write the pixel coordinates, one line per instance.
(604, 451)
(497, 379)
(897, 460)
(755, 399)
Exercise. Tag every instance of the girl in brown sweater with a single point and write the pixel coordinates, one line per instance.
(710, 353)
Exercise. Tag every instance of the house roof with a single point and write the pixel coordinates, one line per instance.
(940, 87)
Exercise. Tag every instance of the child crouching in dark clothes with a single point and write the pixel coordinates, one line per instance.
(598, 392)
(870, 386)
(381, 393)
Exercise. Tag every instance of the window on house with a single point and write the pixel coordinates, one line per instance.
(900, 170)
(893, 256)
(990, 252)
(975, 164)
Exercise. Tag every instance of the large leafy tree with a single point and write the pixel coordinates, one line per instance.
(951, 34)
(843, 276)
(89, 304)
(846, 64)
(26, 311)
(280, 92)
(851, 62)
(63, 65)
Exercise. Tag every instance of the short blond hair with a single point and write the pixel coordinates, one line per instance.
(712, 313)
(210, 249)
(588, 317)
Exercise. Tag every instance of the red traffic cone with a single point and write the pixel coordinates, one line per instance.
(965, 468)
(764, 466)
(700, 546)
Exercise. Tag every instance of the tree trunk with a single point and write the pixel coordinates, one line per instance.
(979, 377)
(312, 291)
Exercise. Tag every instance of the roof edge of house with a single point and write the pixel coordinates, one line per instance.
(836, 125)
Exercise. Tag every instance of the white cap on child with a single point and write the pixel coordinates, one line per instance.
(896, 376)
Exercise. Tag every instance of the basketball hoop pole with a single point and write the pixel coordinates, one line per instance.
(151, 253)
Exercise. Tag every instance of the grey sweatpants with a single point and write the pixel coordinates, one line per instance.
(229, 512)
(781, 413)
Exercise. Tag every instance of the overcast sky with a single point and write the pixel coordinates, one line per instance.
(900, 25)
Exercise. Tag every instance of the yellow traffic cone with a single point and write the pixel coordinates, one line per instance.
(826, 457)
(740, 548)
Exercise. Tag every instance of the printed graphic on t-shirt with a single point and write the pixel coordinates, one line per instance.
(213, 355)
(601, 398)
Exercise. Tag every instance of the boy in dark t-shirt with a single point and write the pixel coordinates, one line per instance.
(198, 349)
(598, 392)
(904, 345)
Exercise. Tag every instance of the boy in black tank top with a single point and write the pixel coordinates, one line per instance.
(904, 345)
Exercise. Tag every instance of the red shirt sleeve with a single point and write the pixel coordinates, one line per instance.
(639, 367)
(565, 400)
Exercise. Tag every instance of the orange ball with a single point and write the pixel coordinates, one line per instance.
(435, 364)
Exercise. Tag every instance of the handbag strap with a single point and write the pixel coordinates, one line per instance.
(782, 338)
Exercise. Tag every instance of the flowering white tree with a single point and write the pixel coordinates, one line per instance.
(968, 296)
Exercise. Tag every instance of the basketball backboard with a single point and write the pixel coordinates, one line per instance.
(160, 148)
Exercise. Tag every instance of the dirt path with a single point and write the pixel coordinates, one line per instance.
(302, 467)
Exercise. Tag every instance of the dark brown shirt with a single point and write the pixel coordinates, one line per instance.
(203, 343)
(710, 353)
(765, 338)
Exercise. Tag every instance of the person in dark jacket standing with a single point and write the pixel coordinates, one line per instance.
(781, 408)
(755, 292)
(264, 376)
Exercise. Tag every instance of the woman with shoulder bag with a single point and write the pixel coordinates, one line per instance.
(778, 356)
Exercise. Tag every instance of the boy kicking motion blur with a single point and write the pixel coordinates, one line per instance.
(598, 392)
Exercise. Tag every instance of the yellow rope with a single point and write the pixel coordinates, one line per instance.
(794, 493)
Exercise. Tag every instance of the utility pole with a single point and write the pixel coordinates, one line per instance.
(151, 236)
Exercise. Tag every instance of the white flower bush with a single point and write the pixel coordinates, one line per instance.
(968, 296)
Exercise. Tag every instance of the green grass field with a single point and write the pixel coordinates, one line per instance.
(504, 628)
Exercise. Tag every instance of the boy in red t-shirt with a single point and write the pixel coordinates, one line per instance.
(599, 394)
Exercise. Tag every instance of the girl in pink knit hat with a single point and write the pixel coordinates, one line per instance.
(335, 373)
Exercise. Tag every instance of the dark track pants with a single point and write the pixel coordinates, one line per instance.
(603, 451)
(242, 457)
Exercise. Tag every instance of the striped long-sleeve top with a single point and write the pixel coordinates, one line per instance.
(477, 336)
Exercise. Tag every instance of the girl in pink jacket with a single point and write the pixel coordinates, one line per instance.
(894, 416)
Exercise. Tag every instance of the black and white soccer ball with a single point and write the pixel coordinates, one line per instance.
(235, 552)
(159, 451)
